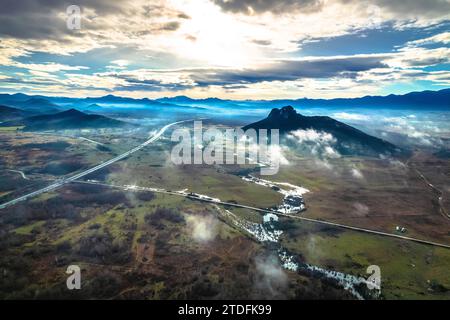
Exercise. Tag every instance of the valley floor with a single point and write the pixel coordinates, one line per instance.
(146, 244)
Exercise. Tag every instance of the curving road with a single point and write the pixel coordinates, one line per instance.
(19, 172)
(61, 182)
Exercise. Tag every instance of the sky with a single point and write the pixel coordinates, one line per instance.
(231, 49)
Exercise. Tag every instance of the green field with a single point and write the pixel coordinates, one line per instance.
(408, 270)
(6, 129)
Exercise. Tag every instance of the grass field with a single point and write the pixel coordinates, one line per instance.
(408, 270)
(6, 129)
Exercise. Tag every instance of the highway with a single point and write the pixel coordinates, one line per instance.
(61, 182)
(298, 217)
(76, 177)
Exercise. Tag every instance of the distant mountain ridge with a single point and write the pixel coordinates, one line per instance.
(436, 100)
(70, 119)
(350, 140)
(9, 113)
(425, 99)
(36, 105)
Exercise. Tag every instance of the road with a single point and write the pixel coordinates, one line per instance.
(436, 190)
(19, 172)
(61, 182)
(92, 141)
(323, 222)
(68, 136)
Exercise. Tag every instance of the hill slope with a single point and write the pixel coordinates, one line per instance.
(70, 119)
(349, 140)
(38, 106)
(8, 113)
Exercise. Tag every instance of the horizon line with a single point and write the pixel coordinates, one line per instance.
(185, 96)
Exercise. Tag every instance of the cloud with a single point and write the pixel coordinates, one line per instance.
(47, 67)
(350, 116)
(360, 209)
(284, 70)
(121, 62)
(261, 6)
(288, 70)
(311, 135)
(356, 173)
(421, 10)
(438, 38)
(170, 26)
(44, 19)
(276, 155)
(152, 80)
(324, 164)
(271, 280)
(329, 152)
(397, 164)
(233, 48)
(263, 42)
(202, 228)
(316, 143)
(40, 25)
(409, 57)
(413, 131)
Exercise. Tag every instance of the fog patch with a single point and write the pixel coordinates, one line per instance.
(271, 280)
(131, 197)
(276, 154)
(356, 173)
(397, 164)
(359, 209)
(311, 135)
(350, 116)
(318, 143)
(202, 228)
(416, 132)
(324, 164)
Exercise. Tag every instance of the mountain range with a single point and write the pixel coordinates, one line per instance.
(427, 100)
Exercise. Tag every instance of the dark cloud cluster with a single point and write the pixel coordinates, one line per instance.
(44, 19)
(39, 19)
(418, 7)
(284, 70)
(288, 70)
(425, 8)
(262, 42)
(261, 6)
(150, 85)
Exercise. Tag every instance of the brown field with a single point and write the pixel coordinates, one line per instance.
(126, 254)
(142, 245)
(386, 195)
